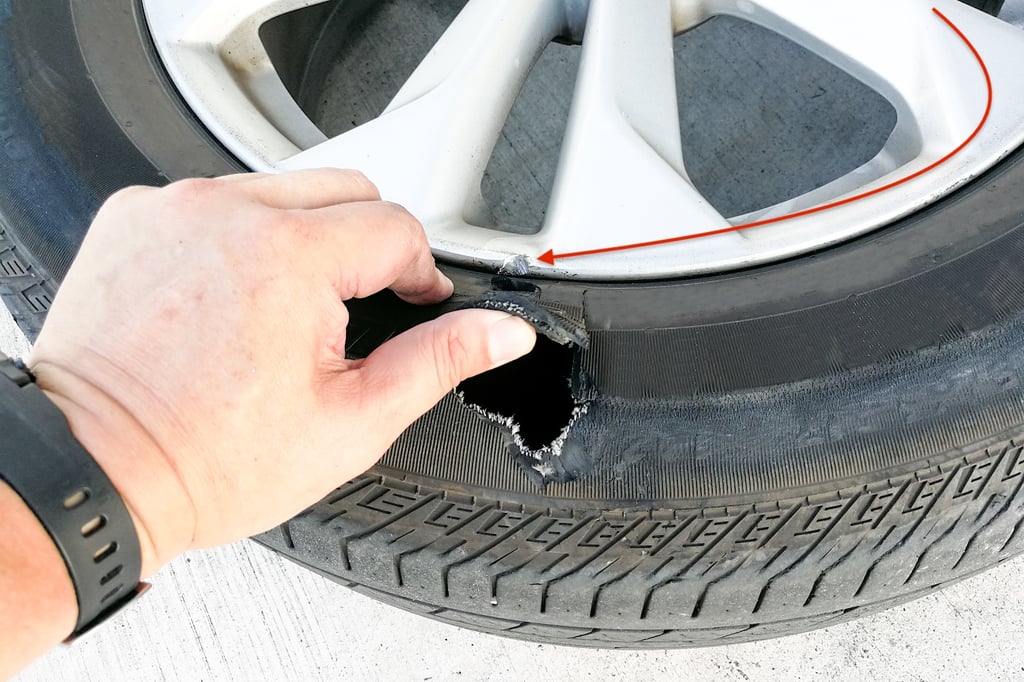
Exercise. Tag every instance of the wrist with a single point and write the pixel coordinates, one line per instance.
(144, 477)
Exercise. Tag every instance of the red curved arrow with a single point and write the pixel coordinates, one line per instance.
(550, 256)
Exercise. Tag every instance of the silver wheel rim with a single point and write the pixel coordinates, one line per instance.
(622, 206)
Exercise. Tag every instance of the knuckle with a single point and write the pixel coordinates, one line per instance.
(398, 214)
(127, 193)
(193, 187)
(192, 191)
(350, 284)
(453, 358)
(120, 200)
(284, 223)
(409, 228)
(359, 179)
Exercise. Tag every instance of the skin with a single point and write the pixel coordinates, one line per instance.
(197, 349)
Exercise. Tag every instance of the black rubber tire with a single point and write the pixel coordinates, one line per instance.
(764, 452)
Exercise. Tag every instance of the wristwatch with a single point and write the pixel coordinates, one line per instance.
(76, 503)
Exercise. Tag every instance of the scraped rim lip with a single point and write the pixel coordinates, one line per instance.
(944, 137)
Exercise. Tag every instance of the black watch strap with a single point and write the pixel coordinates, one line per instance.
(74, 500)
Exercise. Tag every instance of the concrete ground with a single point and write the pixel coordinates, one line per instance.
(243, 613)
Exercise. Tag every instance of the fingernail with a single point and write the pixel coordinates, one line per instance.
(446, 281)
(510, 338)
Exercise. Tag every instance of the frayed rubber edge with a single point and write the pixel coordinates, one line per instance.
(541, 455)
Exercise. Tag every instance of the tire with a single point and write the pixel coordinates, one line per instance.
(762, 452)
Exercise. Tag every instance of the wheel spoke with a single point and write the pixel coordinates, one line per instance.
(430, 147)
(621, 175)
(621, 179)
(216, 45)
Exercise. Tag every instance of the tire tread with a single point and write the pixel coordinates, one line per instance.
(25, 290)
(655, 578)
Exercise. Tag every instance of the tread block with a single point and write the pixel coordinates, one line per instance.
(662, 577)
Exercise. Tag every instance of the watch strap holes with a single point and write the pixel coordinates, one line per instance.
(110, 594)
(111, 574)
(76, 499)
(104, 552)
(94, 525)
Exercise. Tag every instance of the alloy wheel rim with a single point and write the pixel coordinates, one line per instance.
(622, 206)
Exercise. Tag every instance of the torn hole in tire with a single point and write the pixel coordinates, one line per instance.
(534, 397)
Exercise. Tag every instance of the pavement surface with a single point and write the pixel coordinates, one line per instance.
(243, 613)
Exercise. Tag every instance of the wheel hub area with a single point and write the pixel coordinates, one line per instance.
(613, 174)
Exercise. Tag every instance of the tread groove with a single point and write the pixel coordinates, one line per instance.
(740, 554)
(934, 543)
(807, 552)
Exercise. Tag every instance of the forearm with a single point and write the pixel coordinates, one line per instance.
(38, 601)
(37, 606)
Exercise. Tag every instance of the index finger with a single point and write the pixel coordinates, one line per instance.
(309, 189)
(372, 246)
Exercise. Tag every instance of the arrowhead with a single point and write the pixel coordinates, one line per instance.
(547, 257)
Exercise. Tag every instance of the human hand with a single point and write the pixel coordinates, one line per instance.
(197, 348)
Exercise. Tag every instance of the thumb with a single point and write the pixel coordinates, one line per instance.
(413, 371)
